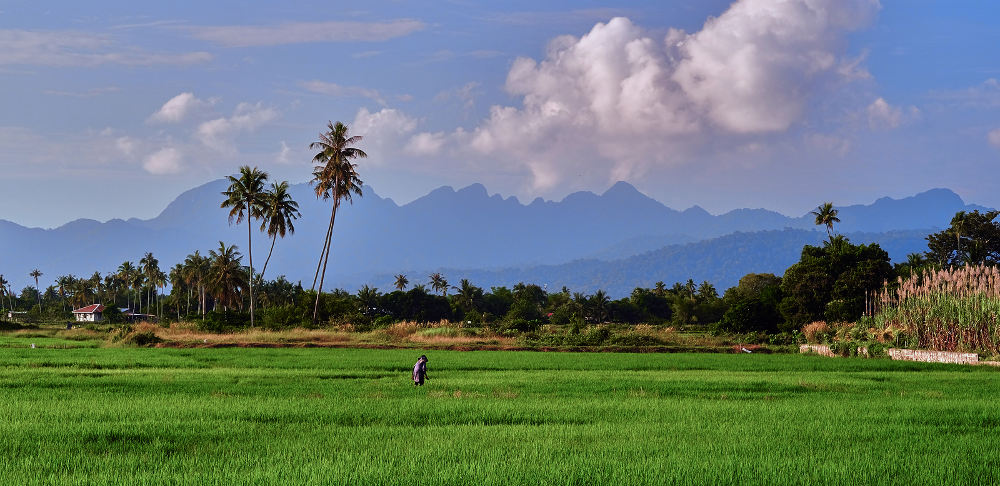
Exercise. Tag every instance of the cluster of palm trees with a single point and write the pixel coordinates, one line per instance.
(220, 279)
(335, 177)
(437, 282)
(248, 199)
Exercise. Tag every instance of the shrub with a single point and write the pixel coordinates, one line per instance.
(226, 321)
(750, 314)
(143, 334)
(816, 332)
(514, 326)
(281, 317)
(635, 339)
(382, 322)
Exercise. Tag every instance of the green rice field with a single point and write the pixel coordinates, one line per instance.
(79, 415)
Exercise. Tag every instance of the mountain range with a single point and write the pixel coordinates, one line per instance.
(615, 240)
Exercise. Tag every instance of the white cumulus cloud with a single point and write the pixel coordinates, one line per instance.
(126, 145)
(613, 102)
(426, 143)
(882, 115)
(383, 132)
(220, 133)
(178, 107)
(164, 162)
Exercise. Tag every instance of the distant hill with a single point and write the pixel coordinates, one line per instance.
(721, 261)
(463, 229)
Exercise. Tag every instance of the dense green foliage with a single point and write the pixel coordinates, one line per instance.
(752, 306)
(973, 238)
(318, 416)
(832, 282)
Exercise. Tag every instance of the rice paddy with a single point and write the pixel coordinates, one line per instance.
(77, 415)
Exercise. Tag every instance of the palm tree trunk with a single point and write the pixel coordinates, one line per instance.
(273, 239)
(250, 254)
(326, 258)
(326, 243)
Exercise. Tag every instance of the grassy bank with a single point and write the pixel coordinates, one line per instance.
(319, 416)
(442, 335)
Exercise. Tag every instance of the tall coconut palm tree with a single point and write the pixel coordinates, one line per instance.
(401, 282)
(37, 273)
(469, 296)
(957, 226)
(226, 277)
(178, 284)
(195, 274)
(3, 290)
(438, 283)
(826, 215)
(246, 199)
(125, 275)
(336, 177)
(158, 281)
(150, 268)
(368, 298)
(63, 281)
(111, 283)
(280, 210)
(97, 283)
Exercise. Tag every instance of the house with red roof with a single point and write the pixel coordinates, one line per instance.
(91, 313)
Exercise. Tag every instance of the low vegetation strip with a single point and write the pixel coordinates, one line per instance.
(322, 416)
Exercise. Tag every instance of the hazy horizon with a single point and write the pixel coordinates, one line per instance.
(157, 211)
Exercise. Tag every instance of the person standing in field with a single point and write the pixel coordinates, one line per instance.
(420, 371)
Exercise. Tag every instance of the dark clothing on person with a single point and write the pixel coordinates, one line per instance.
(420, 371)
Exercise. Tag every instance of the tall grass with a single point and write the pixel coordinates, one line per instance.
(955, 309)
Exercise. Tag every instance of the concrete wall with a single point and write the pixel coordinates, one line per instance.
(933, 356)
(820, 349)
(903, 354)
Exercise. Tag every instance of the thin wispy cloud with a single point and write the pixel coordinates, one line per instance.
(90, 93)
(465, 94)
(334, 89)
(445, 55)
(983, 95)
(305, 32)
(365, 54)
(994, 138)
(555, 16)
(72, 48)
(146, 25)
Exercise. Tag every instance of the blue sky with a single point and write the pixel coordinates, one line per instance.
(111, 109)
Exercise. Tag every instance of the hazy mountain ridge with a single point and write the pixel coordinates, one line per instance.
(463, 229)
(721, 261)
